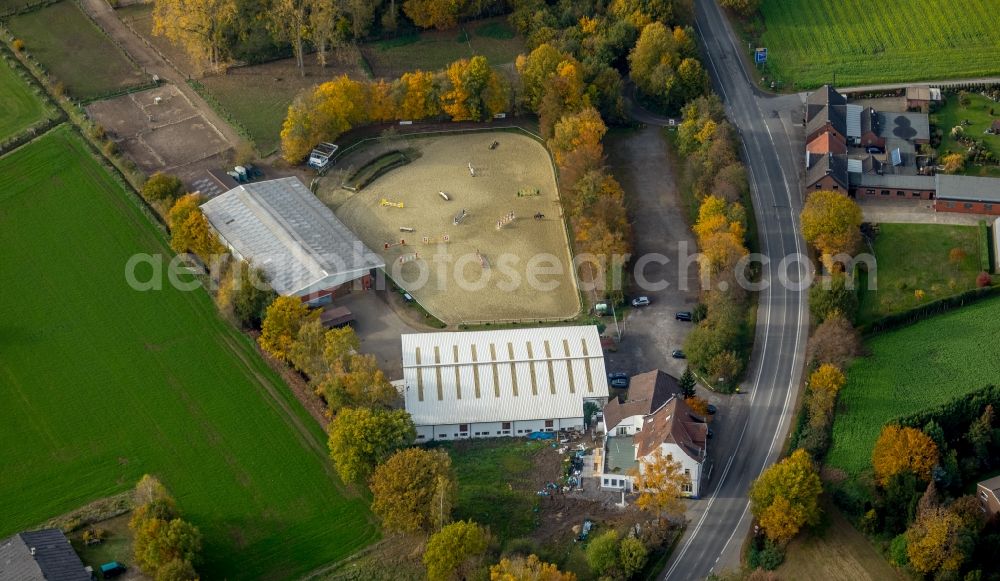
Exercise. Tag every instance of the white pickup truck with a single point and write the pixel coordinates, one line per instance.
(321, 154)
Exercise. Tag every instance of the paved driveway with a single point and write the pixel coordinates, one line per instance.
(379, 327)
(911, 212)
(651, 333)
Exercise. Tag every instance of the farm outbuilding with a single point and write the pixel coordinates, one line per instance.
(44, 555)
(967, 194)
(481, 384)
(281, 227)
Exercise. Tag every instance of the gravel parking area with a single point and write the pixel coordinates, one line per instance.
(449, 279)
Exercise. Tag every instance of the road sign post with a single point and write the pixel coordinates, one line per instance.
(760, 56)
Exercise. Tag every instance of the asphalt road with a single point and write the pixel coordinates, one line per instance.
(758, 421)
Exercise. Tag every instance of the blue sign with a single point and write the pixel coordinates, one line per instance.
(760, 56)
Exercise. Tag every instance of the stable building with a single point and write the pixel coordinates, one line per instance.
(282, 228)
(44, 555)
(481, 384)
(967, 194)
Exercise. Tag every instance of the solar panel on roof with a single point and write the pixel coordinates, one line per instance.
(897, 157)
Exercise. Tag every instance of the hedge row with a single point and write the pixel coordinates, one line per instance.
(922, 312)
(955, 415)
(984, 247)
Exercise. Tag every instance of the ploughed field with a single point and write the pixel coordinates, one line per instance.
(101, 383)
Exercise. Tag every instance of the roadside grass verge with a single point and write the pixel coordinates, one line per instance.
(21, 107)
(910, 369)
(914, 259)
(103, 383)
(72, 49)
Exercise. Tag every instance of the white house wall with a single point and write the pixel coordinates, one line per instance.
(495, 429)
(687, 463)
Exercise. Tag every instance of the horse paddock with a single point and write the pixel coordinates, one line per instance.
(471, 227)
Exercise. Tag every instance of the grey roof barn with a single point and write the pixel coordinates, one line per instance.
(44, 555)
(282, 228)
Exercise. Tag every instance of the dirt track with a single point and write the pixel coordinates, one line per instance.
(458, 288)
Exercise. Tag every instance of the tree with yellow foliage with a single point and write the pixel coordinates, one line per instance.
(903, 450)
(529, 568)
(322, 114)
(786, 496)
(439, 14)
(199, 26)
(381, 102)
(660, 483)
(414, 490)
(476, 91)
(356, 380)
(419, 95)
(286, 20)
(281, 325)
(190, 230)
(932, 542)
(831, 222)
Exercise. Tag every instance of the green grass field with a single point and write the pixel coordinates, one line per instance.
(914, 257)
(74, 50)
(910, 369)
(101, 383)
(867, 41)
(978, 114)
(494, 484)
(21, 108)
(433, 50)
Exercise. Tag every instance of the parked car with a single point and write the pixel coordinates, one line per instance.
(585, 530)
(684, 316)
(618, 379)
(712, 409)
(678, 354)
(112, 569)
(407, 297)
(874, 149)
(640, 302)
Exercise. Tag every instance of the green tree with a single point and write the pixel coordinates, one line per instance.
(177, 570)
(455, 551)
(687, 383)
(981, 436)
(251, 295)
(785, 497)
(602, 553)
(361, 438)
(632, 556)
(161, 186)
(414, 490)
(832, 296)
(282, 321)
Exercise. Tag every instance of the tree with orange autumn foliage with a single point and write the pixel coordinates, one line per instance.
(903, 450)
(190, 230)
(529, 568)
(419, 98)
(439, 14)
(831, 222)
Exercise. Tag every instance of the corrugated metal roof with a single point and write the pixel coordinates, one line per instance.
(284, 229)
(854, 120)
(854, 165)
(967, 188)
(507, 375)
(44, 555)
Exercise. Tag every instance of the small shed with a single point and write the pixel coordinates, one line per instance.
(337, 317)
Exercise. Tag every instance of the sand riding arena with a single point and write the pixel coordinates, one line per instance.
(470, 225)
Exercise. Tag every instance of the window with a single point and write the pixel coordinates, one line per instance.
(915, 194)
(968, 205)
(988, 207)
(548, 423)
(884, 192)
(836, 187)
(686, 487)
(819, 186)
(505, 425)
(421, 436)
(870, 192)
(463, 427)
(949, 204)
